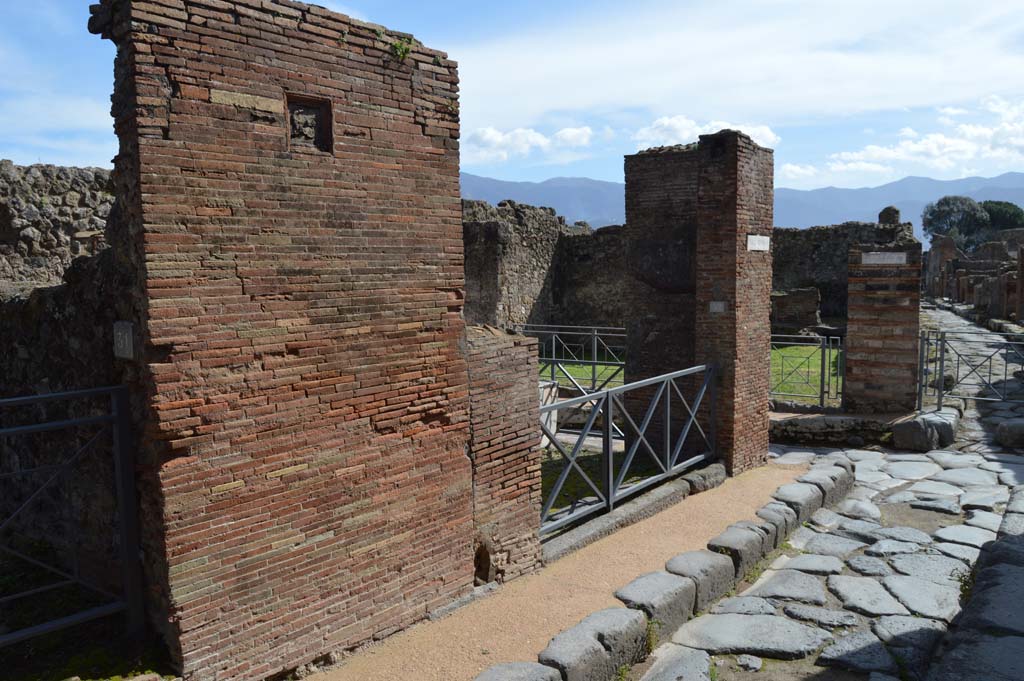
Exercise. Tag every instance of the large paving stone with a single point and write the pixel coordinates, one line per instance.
(948, 506)
(860, 509)
(924, 598)
(861, 530)
(663, 597)
(802, 497)
(891, 547)
(984, 498)
(965, 534)
(966, 477)
(520, 671)
(968, 554)
(671, 662)
(932, 567)
(777, 508)
(1016, 504)
(901, 631)
(996, 601)
(823, 617)
(1012, 525)
(743, 605)
(865, 595)
(869, 565)
(768, 635)
(933, 488)
(859, 652)
(596, 647)
(858, 455)
(904, 534)
(908, 470)
(985, 658)
(826, 519)
(815, 564)
(713, 573)
(788, 585)
(955, 459)
(986, 520)
(832, 545)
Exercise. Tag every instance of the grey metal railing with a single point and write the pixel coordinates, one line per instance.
(115, 421)
(808, 369)
(971, 364)
(661, 437)
(584, 359)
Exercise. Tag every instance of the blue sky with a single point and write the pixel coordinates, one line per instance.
(847, 93)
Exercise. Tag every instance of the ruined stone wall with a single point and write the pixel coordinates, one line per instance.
(48, 216)
(795, 310)
(504, 447)
(818, 256)
(525, 265)
(882, 342)
(293, 191)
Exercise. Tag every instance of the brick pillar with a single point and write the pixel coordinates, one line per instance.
(1020, 284)
(733, 292)
(883, 324)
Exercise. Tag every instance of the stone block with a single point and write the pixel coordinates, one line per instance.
(776, 508)
(744, 546)
(926, 431)
(1010, 433)
(712, 573)
(802, 497)
(703, 479)
(594, 649)
(665, 598)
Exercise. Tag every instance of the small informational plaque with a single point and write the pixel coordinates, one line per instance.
(123, 340)
(757, 242)
(876, 258)
(716, 307)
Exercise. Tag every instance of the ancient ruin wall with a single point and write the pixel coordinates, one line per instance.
(817, 257)
(292, 180)
(48, 216)
(504, 447)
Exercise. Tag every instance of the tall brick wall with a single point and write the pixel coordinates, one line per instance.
(504, 446)
(734, 283)
(292, 196)
(700, 296)
(882, 340)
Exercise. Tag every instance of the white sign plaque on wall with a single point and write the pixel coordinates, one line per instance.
(883, 259)
(123, 341)
(716, 307)
(757, 242)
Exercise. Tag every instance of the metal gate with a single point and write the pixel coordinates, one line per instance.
(634, 436)
(581, 359)
(808, 370)
(107, 424)
(972, 364)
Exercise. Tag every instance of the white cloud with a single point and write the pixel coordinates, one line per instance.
(711, 59)
(795, 171)
(859, 167)
(490, 145)
(952, 111)
(909, 133)
(999, 136)
(670, 130)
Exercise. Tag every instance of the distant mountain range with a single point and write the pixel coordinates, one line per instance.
(603, 203)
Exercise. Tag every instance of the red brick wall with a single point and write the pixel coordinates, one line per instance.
(504, 445)
(689, 210)
(882, 338)
(306, 486)
(736, 201)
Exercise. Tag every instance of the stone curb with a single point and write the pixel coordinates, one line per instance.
(597, 647)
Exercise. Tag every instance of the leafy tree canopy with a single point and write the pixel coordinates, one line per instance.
(959, 217)
(1004, 215)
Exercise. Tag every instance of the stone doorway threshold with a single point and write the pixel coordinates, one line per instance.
(520, 618)
(832, 429)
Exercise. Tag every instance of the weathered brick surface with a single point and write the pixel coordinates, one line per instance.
(736, 202)
(305, 481)
(689, 211)
(882, 340)
(504, 445)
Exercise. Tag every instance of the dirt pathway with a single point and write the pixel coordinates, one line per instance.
(517, 622)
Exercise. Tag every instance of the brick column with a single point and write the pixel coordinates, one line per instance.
(882, 335)
(733, 289)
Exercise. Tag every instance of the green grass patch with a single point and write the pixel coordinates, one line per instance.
(796, 373)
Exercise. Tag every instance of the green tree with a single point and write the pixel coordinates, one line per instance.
(960, 218)
(1004, 215)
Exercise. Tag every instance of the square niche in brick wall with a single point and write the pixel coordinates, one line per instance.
(309, 124)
